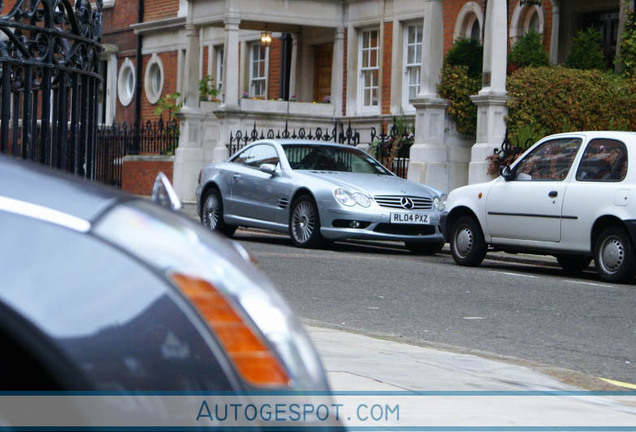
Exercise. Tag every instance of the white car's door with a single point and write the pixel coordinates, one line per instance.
(529, 205)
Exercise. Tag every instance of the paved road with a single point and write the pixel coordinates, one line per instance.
(530, 312)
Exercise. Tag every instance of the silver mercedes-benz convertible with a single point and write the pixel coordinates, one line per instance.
(318, 192)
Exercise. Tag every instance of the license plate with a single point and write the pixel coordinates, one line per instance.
(409, 218)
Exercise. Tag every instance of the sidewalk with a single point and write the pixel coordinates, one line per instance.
(498, 389)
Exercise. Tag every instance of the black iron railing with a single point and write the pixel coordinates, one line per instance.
(119, 140)
(337, 134)
(49, 82)
(392, 148)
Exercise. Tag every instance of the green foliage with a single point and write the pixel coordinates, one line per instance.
(207, 89)
(467, 52)
(552, 100)
(168, 102)
(627, 56)
(529, 51)
(586, 51)
(520, 140)
(457, 86)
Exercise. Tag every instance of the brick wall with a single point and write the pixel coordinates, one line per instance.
(170, 62)
(160, 9)
(275, 57)
(139, 173)
(387, 63)
(344, 73)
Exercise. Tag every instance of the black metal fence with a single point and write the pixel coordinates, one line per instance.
(392, 148)
(337, 134)
(49, 58)
(119, 140)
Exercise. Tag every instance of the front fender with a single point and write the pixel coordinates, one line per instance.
(469, 199)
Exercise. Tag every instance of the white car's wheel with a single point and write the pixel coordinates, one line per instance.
(212, 213)
(304, 223)
(467, 244)
(614, 256)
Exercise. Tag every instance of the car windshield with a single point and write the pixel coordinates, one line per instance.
(317, 157)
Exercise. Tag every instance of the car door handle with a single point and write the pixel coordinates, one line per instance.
(553, 194)
(236, 176)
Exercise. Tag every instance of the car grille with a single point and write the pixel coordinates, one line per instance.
(395, 201)
(403, 229)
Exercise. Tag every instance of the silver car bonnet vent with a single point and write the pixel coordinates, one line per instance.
(283, 202)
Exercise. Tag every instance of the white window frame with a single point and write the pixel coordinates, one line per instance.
(218, 67)
(263, 57)
(155, 65)
(412, 68)
(126, 82)
(368, 70)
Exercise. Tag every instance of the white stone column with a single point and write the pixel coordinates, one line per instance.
(429, 155)
(192, 67)
(554, 36)
(188, 158)
(491, 100)
(337, 71)
(231, 64)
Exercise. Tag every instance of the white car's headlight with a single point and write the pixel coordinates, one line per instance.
(350, 199)
(440, 202)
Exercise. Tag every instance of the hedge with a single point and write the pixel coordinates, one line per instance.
(557, 99)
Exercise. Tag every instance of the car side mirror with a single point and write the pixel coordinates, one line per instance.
(268, 168)
(164, 194)
(505, 172)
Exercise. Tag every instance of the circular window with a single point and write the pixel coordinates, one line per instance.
(126, 82)
(153, 79)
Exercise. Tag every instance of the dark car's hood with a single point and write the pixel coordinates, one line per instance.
(42, 186)
(373, 184)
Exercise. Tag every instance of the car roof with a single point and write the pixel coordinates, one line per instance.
(598, 134)
(37, 184)
(291, 141)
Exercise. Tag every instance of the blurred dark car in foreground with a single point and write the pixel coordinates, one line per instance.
(104, 291)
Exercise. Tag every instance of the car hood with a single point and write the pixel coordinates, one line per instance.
(374, 184)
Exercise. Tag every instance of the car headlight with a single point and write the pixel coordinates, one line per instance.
(225, 289)
(362, 199)
(349, 199)
(440, 202)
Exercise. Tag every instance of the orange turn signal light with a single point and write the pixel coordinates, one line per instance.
(251, 356)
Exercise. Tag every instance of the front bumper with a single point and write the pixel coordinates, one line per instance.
(374, 223)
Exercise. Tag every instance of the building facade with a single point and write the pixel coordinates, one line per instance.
(358, 61)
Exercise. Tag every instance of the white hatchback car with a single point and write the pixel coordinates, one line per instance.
(570, 195)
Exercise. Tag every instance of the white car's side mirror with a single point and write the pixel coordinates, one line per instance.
(505, 172)
(164, 194)
(268, 168)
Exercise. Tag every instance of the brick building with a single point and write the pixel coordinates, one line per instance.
(362, 61)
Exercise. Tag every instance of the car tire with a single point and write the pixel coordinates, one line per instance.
(212, 213)
(573, 263)
(467, 243)
(614, 256)
(304, 223)
(423, 248)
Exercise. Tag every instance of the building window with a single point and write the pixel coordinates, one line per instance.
(412, 62)
(153, 80)
(126, 83)
(258, 70)
(218, 67)
(369, 85)
(469, 22)
(524, 19)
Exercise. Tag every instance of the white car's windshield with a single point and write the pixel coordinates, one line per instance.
(318, 157)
